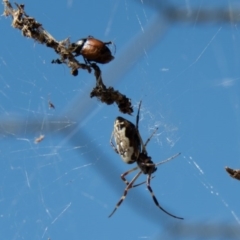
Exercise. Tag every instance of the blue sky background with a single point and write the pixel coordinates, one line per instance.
(188, 79)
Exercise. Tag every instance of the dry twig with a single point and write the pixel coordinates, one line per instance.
(109, 95)
(233, 173)
(32, 29)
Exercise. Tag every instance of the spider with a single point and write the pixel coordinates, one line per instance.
(130, 147)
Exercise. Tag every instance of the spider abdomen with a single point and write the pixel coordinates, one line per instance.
(126, 152)
(127, 140)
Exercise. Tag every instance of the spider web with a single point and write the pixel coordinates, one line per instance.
(182, 61)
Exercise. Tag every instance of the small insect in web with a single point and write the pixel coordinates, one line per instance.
(51, 105)
(130, 147)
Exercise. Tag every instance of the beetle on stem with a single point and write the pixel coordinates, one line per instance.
(92, 50)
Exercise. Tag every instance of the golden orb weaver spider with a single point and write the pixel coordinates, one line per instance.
(130, 147)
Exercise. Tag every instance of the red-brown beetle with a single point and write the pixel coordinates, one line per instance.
(93, 49)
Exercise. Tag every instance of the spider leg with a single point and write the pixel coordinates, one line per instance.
(112, 144)
(167, 160)
(162, 162)
(155, 199)
(125, 193)
(137, 122)
(137, 118)
(129, 171)
(126, 173)
(148, 140)
(142, 144)
(136, 185)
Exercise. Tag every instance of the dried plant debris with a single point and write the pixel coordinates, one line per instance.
(39, 139)
(109, 95)
(233, 173)
(32, 29)
(90, 48)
